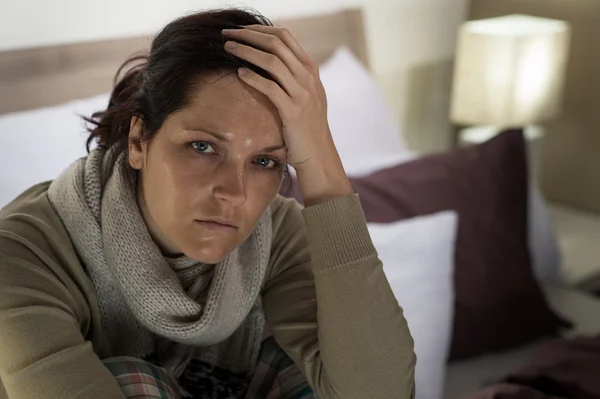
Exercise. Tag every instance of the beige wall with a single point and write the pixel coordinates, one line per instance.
(413, 43)
(570, 159)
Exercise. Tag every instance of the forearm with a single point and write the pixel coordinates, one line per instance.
(364, 343)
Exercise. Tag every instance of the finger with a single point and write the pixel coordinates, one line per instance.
(270, 63)
(268, 87)
(270, 43)
(287, 38)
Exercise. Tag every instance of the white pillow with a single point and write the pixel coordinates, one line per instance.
(361, 123)
(418, 260)
(38, 145)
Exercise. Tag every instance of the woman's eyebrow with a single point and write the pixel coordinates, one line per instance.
(216, 135)
(274, 148)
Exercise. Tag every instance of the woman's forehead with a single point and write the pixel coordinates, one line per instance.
(229, 95)
(230, 107)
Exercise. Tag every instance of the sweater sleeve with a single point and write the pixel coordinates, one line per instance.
(330, 306)
(43, 353)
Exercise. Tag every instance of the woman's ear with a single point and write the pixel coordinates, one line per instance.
(134, 142)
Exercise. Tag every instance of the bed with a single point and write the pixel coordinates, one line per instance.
(36, 79)
(466, 377)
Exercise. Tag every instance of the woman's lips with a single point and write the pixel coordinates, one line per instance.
(217, 227)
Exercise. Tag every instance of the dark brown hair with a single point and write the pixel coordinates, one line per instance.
(158, 84)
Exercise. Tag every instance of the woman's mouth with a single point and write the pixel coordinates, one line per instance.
(218, 226)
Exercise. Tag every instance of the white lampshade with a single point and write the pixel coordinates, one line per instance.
(509, 71)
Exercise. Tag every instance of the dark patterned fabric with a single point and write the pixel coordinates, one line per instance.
(142, 380)
(201, 380)
(276, 377)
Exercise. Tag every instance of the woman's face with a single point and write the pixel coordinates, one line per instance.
(211, 170)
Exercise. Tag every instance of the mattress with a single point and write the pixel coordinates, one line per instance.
(466, 377)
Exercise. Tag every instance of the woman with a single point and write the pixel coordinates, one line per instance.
(169, 244)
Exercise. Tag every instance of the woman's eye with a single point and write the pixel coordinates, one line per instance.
(203, 147)
(265, 162)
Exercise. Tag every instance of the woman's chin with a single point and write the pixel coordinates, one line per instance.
(209, 254)
(205, 245)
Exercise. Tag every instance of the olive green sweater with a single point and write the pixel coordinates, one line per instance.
(325, 296)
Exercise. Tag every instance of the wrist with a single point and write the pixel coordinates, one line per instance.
(323, 179)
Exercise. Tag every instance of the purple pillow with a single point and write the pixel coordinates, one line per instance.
(498, 303)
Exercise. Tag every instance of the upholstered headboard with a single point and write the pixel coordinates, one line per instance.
(38, 77)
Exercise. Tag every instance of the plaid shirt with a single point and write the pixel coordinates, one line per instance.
(275, 377)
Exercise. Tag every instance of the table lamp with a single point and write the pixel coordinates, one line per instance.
(509, 73)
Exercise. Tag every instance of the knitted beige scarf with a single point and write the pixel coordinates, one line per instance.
(176, 309)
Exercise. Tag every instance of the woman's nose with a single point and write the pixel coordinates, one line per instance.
(231, 185)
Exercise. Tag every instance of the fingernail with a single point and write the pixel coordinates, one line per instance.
(230, 44)
(228, 30)
(243, 71)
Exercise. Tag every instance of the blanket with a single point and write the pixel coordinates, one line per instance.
(560, 368)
